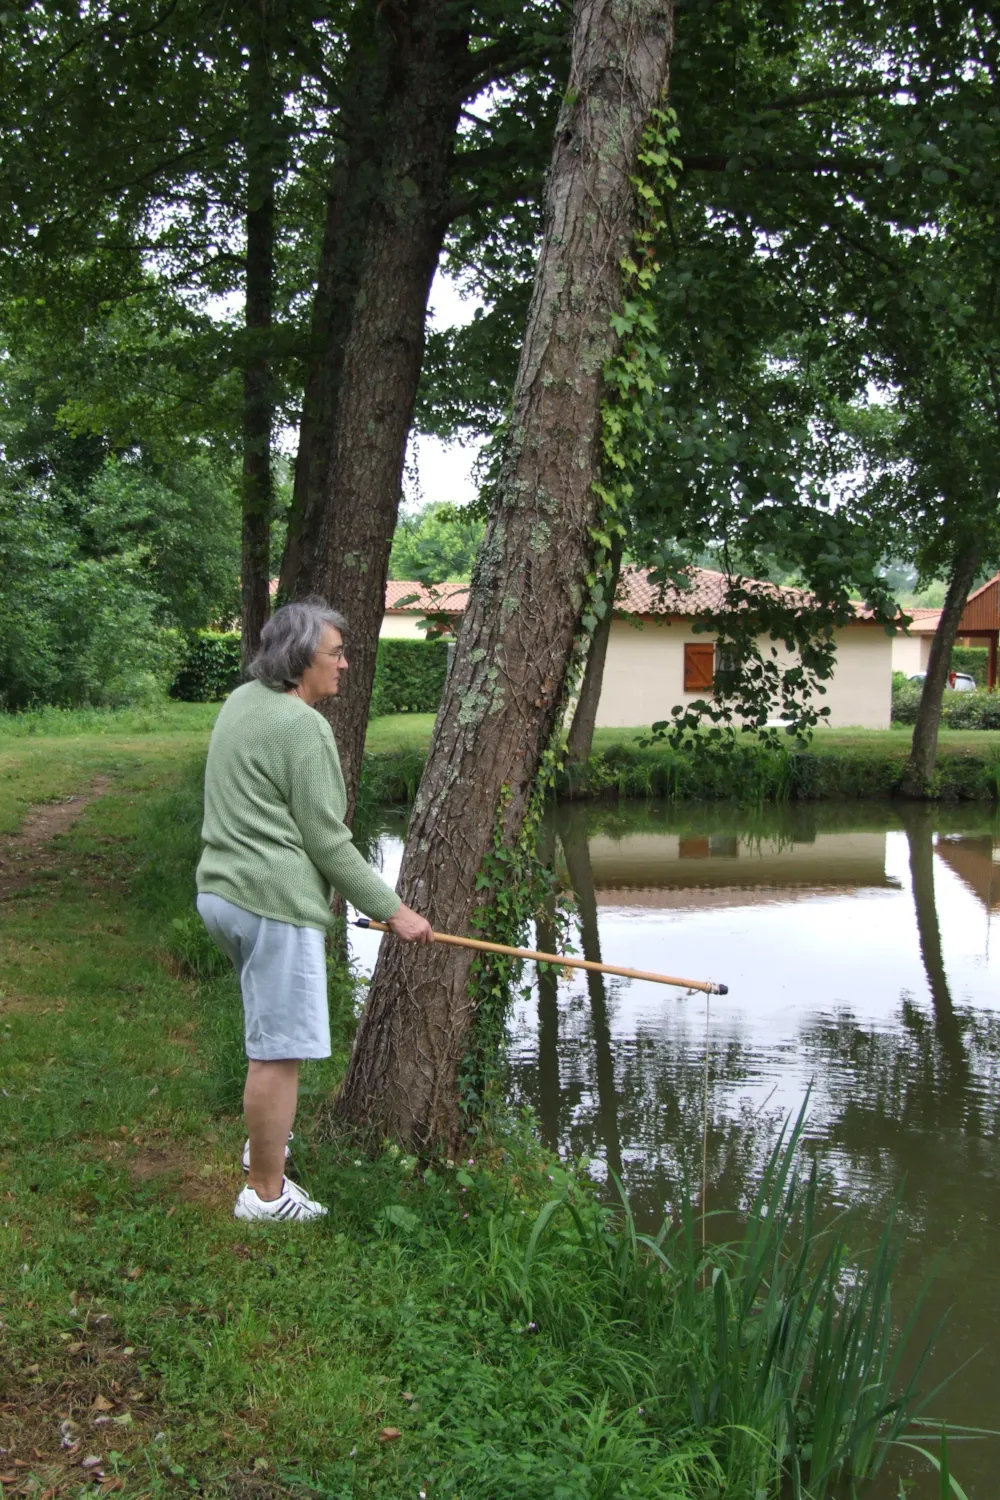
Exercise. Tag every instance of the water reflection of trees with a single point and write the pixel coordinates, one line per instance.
(917, 1101)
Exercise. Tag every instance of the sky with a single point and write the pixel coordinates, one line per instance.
(443, 471)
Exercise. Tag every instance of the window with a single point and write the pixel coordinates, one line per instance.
(699, 666)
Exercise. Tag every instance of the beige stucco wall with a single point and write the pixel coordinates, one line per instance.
(911, 653)
(644, 675)
(402, 626)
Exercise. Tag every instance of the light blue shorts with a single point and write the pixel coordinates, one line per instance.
(282, 972)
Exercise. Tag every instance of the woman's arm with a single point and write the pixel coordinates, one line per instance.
(313, 794)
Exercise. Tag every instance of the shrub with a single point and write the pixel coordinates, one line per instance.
(979, 710)
(905, 700)
(211, 668)
(409, 677)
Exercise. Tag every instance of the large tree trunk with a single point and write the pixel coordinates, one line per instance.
(505, 688)
(371, 76)
(258, 396)
(581, 735)
(361, 396)
(919, 770)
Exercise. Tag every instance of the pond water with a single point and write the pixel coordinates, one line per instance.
(861, 947)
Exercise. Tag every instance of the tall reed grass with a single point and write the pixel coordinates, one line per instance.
(778, 1352)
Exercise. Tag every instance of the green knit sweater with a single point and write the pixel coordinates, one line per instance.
(274, 839)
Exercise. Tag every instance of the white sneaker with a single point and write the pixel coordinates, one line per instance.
(291, 1203)
(246, 1151)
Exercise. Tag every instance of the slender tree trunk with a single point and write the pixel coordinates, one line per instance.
(581, 734)
(923, 752)
(362, 396)
(258, 396)
(505, 688)
(547, 982)
(576, 847)
(920, 837)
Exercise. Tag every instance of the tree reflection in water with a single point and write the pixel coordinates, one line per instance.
(637, 1102)
(905, 1083)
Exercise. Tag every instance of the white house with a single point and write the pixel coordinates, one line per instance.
(656, 659)
(911, 648)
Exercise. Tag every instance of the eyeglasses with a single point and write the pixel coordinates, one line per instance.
(337, 653)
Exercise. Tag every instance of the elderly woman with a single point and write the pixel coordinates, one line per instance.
(275, 847)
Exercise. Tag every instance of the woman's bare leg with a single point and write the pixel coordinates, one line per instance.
(269, 1102)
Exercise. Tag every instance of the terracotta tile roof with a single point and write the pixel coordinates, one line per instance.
(635, 595)
(447, 598)
(925, 620)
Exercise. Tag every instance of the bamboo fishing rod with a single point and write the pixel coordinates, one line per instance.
(560, 960)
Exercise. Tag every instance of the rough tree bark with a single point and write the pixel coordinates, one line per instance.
(505, 688)
(386, 226)
(363, 107)
(580, 741)
(923, 751)
(258, 396)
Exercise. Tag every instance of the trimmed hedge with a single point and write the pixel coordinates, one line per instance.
(211, 668)
(409, 677)
(978, 710)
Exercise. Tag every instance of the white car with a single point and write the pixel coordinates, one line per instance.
(958, 682)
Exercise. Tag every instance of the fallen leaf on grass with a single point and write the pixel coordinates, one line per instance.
(389, 1434)
(74, 1348)
(8, 1478)
(107, 1485)
(101, 1403)
(135, 1273)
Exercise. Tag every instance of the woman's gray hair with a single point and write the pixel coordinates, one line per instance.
(288, 642)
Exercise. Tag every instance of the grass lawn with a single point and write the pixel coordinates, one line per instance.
(394, 733)
(437, 1336)
(399, 732)
(52, 754)
(149, 1344)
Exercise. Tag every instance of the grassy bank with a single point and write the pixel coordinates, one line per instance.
(840, 763)
(478, 1330)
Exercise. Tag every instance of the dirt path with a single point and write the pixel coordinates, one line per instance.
(19, 852)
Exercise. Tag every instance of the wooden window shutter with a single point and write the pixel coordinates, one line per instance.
(699, 666)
